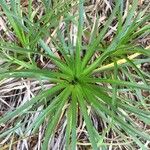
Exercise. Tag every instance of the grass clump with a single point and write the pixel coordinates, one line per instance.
(89, 77)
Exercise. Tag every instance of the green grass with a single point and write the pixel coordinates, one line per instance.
(97, 82)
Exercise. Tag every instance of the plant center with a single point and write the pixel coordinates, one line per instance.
(74, 81)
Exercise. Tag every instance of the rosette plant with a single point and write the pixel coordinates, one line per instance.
(89, 77)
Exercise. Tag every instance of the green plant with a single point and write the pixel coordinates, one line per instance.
(81, 82)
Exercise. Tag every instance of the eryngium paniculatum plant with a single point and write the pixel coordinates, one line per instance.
(89, 77)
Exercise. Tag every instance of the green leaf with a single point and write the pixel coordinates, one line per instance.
(79, 37)
(36, 73)
(74, 120)
(17, 28)
(87, 119)
(25, 107)
(94, 44)
(127, 127)
(117, 82)
(68, 128)
(51, 108)
(54, 120)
